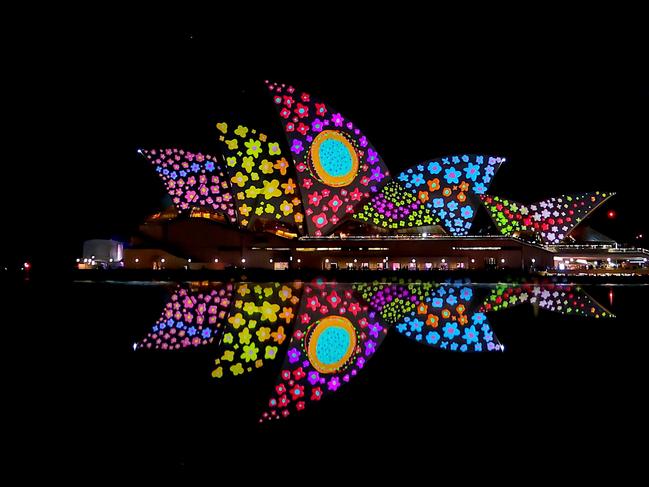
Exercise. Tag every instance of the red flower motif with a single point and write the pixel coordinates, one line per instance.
(298, 374)
(354, 308)
(314, 198)
(290, 127)
(280, 389)
(301, 167)
(297, 392)
(313, 303)
(320, 109)
(320, 220)
(283, 401)
(302, 110)
(288, 101)
(284, 113)
(303, 129)
(305, 97)
(335, 203)
(334, 299)
(316, 394)
(349, 209)
(286, 374)
(300, 405)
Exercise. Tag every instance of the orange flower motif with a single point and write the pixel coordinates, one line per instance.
(279, 335)
(433, 185)
(281, 165)
(299, 217)
(446, 192)
(462, 320)
(460, 309)
(287, 314)
(423, 196)
(464, 186)
(422, 309)
(446, 314)
(289, 186)
(461, 197)
(432, 321)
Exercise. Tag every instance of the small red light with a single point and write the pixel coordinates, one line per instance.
(611, 214)
(27, 265)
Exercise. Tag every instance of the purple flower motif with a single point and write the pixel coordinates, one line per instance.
(377, 175)
(372, 156)
(313, 377)
(209, 166)
(350, 125)
(293, 355)
(375, 329)
(333, 384)
(363, 141)
(337, 119)
(297, 148)
(360, 363)
(370, 347)
(317, 125)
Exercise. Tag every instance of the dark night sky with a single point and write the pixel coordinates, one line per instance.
(568, 108)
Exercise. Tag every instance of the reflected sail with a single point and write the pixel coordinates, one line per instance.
(333, 338)
(192, 317)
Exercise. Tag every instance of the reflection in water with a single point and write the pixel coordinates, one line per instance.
(325, 332)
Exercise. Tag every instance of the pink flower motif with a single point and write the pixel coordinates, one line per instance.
(288, 101)
(302, 110)
(320, 220)
(305, 97)
(285, 113)
(363, 141)
(335, 203)
(290, 127)
(314, 198)
(337, 119)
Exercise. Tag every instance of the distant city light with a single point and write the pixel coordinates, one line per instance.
(78, 260)
(110, 260)
(27, 265)
(216, 261)
(502, 261)
(163, 260)
(612, 214)
(473, 261)
(270, 260)
(413, 261)
(327, 261)
(136, 260)
(299, 260)
(424, 235)
(355, 260)
(443, 261)
(533, 261)
(189, 260)
(243, 261)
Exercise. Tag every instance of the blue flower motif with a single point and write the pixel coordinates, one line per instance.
(165, 172)
(403, 177)
(417, 179)
(432, 337)
(465, 158)
(479, 159)
(437, 302)
(472, 171)
(471, 335)
(206, 333)
(478, 318)
(438, 202)
(450, 330)
(485, 327)
(158, 169)
(441, 291)
(443, 345)
(170, 322)
(195, 167)
(488, 337)
(191, 332)
(478, 347)
(173, 175)
(466, 293)
(209, 166)
(456, 160)
(420, 167)
(479, 188)
(489, 170)
(180, 325)
(401, 327)
(459, 222)
(416, 325)
(463, 348)
(183, 173)
(452, 300)
(452, 205)
(466, 212)
(453, 346)
(452, 175)
(434, 168)
(418, 337)
(441, 213)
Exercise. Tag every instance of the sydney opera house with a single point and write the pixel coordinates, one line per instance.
(326, 199)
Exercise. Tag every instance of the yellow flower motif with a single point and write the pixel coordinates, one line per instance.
(243, 290)
(270, 189)
(286, 208)
(252, 324)
(263, 333)
(299, 217)
(281, 165)
(237, 320)
(273, 149)
(250, 307)
(279, 335)
(289, 186)
(218, 372)
(244, 336)
(232, 161)
(222, 126)
(251, 192)
(245, 210)
(244, 222)
(259, 210)
(238, 303)
(269, 208)
(241, 131)
(228, 338)
(228, 356)
(285, 293)
(250, 353)
(266, 166)
(287, 314)
(268, 291)
(254, 176)
(259, 363)
(237, 369)
(241, 195)
(270, 352)
(254, 147)
(248, 163)
(232, 144)
(269, 312)
(262, 137)
(240, 179)
(258, 289)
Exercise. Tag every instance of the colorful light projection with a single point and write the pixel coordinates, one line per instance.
(191, 318)
(337, 167)
(559, 298)
(551, 220)
(334, 337)
(448, 318)
(193, 180)
(260, 320)
(448, 187)
(394, 207)
(391, 301)
(262, 180)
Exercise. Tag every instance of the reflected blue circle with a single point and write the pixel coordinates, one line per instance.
(332, 345)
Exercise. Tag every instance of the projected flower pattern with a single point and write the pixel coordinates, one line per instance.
(559, 298)
(448, 319)
(448, 186)
(337, 168)
(190, 318)
(393, 301)
(334, 337)
(193, 180)
(551, 220)
(263, 182)
(260, 320)
(395, 207)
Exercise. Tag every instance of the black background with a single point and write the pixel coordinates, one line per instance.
(563, 96)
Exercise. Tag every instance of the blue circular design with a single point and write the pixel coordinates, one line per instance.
(332, 345)
(335, 158)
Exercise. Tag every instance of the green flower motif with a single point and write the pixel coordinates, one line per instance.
(228, 338)
(270, 352)
(273, 149)
(250, 353)
(254, 147)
